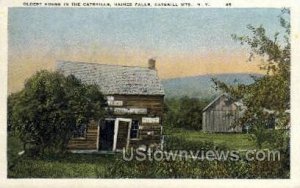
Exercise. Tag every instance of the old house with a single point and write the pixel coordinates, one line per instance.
(135, 98)
(220, 115)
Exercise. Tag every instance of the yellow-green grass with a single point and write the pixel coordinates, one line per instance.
(235, 141)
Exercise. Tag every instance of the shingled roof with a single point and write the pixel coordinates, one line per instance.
(115, 79)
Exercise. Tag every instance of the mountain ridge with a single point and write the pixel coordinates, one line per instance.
(202, 86)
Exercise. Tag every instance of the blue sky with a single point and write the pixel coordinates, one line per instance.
(185, 42)
(158, 30)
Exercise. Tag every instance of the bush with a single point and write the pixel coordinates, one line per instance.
(196, 169)
(50, 108)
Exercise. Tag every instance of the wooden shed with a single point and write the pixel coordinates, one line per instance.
(135, 99)
(221, 114)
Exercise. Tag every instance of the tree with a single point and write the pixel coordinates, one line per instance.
(185, 112)
(50, 108)
(268, 98)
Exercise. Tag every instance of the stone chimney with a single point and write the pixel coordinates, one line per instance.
(151, 64)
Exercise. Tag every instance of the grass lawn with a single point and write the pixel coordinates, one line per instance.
(67, 166)
(100, 166)
(234, 141)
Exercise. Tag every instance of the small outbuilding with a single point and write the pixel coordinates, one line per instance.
(221, 114)
(135, 99)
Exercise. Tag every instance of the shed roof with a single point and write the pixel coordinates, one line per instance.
(215, 100)
(237, 103)
(115, 79)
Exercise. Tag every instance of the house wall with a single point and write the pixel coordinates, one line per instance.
(221, 116)
(149, 132)
(87, 143)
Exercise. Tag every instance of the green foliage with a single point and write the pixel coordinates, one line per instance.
(268, 98)
(101, 166)
(50, 107)
(112, 166)
(184, 112)
(13, 148)
(12, 99)
(197, 169)
(181, 143)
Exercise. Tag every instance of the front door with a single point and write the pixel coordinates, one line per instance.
(107, 135)
(122, 134)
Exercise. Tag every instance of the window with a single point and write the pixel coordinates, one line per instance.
(134, 131)
(80, 132)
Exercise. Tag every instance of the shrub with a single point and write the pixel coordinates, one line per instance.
(196, 169)
(50, 107)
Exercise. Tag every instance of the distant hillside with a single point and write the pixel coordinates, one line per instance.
(201, 86)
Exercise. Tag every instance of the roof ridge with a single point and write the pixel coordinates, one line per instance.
(96, 63)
